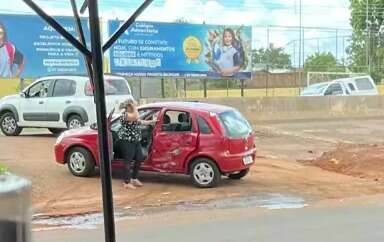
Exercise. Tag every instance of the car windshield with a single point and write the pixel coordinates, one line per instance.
(235, 125)
(112, 86)
(315, 89)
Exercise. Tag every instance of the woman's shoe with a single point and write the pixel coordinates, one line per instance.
(136, 182)
(129, 186)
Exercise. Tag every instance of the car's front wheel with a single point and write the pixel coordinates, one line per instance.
(205, 173)
(80, 162)
(8, 125)
(239, 175)
(74, 122)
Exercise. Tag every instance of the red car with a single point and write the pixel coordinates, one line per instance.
(202, 140)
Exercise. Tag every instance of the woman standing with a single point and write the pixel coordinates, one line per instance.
(129, 142)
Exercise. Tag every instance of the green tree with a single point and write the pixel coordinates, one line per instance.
(368, 34)
(274, 57)
(322, 62)
(181, 20)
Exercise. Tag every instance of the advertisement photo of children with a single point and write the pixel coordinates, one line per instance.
(227, 51)
(11, 59)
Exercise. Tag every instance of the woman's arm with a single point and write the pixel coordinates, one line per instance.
(147, 122)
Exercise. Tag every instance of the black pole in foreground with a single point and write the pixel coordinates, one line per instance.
(105, 165)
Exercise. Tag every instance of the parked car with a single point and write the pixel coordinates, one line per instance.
(203, 140)
(57, 103)
(352, 86)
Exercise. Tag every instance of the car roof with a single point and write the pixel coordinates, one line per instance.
(190, 106)
(347, 79)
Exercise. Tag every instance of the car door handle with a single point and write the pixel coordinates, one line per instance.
(67, 102)
(41, 102)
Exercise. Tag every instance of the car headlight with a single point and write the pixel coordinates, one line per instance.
(60, 138)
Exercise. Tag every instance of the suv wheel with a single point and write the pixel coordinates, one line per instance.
(74, 122)
(55, 131)
(204, 173)
(80, 162)
(8, 125)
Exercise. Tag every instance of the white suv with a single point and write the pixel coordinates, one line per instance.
(58, 102)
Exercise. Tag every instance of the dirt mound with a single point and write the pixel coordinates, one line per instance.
(364, 161)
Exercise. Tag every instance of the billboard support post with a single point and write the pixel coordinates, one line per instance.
(205, 88)
(162, 88)
(185, 88)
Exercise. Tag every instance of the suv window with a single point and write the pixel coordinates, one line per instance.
(351, 86)
(203, 126)
(177, 121)
(40, 89)
(364, 84)
(334, 89)
(64, 88)
(112, 86)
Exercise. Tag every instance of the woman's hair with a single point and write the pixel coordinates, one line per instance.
(126, 103)
(2, 26)
(229, 30)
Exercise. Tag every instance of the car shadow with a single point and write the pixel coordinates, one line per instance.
(166, 178)
(39, 135)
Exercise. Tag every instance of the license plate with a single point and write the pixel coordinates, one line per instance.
(247, 160)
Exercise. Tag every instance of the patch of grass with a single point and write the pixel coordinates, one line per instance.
(3, 169)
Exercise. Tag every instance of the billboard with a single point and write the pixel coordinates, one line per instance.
(182, 50)
(29, 47)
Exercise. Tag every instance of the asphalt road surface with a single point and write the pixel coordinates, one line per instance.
(357, 223)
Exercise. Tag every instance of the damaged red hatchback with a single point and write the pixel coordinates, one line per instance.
(202, 140)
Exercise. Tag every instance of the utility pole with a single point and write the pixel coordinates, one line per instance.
(337, 44)
(368, 38)
(300, 40)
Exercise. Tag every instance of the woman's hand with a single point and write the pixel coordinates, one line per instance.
(148, 122)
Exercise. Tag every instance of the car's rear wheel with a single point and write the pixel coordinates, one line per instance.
(8, 125)
(55, 131)
(239, 175)
(80, 162)
(74, 122)
(205, 173)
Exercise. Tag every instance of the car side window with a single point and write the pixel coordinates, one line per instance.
(177, 121)
(351, 86)
(334, 89)
(364, 84)
(203, 126)
(40, 89)
(64, 88)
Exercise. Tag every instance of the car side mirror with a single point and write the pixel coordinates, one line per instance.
(23, 95)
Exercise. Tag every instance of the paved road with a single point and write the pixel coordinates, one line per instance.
(338, 224)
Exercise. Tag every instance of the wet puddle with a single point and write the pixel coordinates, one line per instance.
(263, 200)
(91, 221)
(85, 221)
